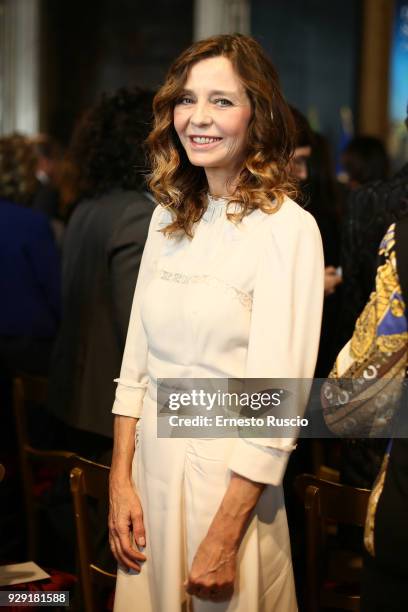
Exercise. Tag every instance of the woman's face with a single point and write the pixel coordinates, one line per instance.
(212, 115)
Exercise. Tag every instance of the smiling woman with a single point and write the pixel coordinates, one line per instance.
(226, 88)
(211, 124)
(230, 286)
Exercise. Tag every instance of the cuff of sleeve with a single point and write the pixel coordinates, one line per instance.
(263, 464)
(129, 401)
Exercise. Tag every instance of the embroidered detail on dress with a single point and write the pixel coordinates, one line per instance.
(185, 279)
(218, 207)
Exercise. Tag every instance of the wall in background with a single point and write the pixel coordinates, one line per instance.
(221, 17)
(91, 46)
(315, 46)
(329, 54)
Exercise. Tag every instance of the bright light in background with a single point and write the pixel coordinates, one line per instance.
(399, 85)
(19, 66)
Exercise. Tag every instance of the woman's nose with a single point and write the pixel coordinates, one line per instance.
(201, 115)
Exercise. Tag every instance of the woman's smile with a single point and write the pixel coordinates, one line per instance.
(203, 143)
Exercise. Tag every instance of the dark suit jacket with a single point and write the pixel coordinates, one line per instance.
(102, 250)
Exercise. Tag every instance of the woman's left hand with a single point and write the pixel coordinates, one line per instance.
(212, 573)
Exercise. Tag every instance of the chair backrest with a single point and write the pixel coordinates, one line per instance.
(328, 501)
(32, 391)
(89, 480)
(340, 503)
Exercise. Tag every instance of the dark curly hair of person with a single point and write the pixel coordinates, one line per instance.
(107, 145)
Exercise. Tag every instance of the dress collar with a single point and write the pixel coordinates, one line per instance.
(216, 208)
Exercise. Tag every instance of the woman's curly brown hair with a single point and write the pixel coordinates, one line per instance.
(264, 180)
(17, 169)
(107, 146)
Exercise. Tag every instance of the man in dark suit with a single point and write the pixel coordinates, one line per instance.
(102, 250)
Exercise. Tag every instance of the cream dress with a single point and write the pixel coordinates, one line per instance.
(235, 301)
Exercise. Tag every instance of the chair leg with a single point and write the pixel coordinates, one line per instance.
(76, 481)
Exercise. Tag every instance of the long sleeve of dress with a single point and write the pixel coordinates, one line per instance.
(284, 332)
(133, 379)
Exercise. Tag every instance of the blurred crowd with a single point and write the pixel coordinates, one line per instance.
(73, 222)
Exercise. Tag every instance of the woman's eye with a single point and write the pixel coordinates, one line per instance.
(222, 102)
(185, 100)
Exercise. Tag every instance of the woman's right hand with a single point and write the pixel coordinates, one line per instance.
(126, 523)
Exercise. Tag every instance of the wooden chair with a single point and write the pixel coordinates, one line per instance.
(2, 471)
(324, 502)
(89, 480)
(32, 390)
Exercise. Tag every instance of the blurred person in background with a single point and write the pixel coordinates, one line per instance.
(48, 155)
(323, 201)
(298, 165)
(312, 167)
(30, 265)
(364, 160)
(377, 352)
(102, 249)
(371, 209)
(67, 181)
(29, 311)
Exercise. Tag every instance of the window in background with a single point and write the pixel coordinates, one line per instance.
(398, 138)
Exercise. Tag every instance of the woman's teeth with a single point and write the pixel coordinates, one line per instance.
(204, 140)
